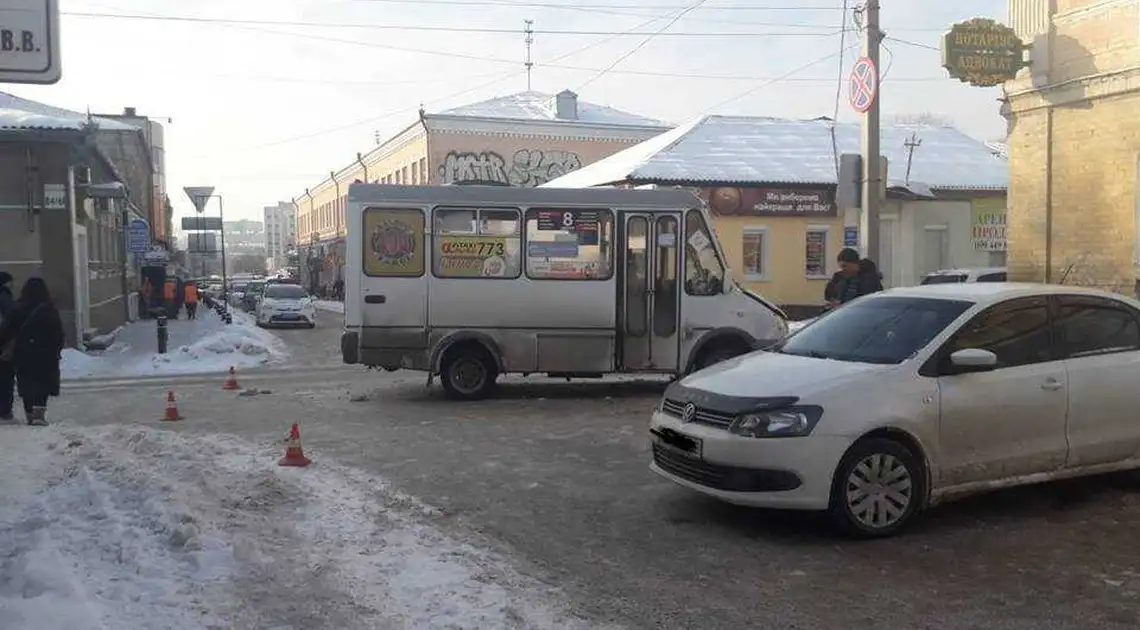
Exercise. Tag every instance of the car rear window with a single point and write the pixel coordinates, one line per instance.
(285, 292)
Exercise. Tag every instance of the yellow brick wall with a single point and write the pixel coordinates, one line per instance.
(1094, 188)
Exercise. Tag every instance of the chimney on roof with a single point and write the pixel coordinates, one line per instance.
(566, 105)
(129, 111)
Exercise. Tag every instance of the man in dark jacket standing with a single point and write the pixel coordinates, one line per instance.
(856, 277)
(7, 370)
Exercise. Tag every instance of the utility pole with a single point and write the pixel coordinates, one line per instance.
(872, 172)
(911, 144)
(529, 39)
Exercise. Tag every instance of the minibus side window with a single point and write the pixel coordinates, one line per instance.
(704, 273)
(569, 244)
(477, 243)
(393, 243)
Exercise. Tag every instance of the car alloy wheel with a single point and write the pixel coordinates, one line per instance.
(879, 486)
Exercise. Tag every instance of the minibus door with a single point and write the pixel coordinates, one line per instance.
(649, 292)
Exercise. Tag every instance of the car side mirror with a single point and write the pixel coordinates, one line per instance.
(973, 360)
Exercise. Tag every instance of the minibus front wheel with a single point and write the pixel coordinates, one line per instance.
(468, 371)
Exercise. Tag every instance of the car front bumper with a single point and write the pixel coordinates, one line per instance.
(299, 318)
(784, 473)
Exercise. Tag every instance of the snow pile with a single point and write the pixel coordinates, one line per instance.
(195, 346)
(329, 305)
(132, 528)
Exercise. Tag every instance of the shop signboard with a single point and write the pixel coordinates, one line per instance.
(982, 52)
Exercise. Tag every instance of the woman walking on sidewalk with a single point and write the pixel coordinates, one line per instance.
(32, 340)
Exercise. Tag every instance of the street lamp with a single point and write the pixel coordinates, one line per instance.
(200, 196)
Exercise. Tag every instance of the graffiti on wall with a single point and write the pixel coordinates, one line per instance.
(528, 167)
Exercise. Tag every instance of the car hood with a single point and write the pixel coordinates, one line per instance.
(769, 374)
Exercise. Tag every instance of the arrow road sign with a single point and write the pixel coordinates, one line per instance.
(200, 195)
(864, 85)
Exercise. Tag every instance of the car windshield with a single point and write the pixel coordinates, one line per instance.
(285, 292)
(885, 330)
(944, 278)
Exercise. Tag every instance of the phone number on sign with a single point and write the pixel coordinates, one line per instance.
(472, 248)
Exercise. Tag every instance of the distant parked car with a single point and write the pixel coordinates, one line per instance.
(286, 304)
(974, 274)
(251, 297)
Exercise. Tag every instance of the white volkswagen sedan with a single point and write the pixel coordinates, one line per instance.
(905, 398)
(283, 304)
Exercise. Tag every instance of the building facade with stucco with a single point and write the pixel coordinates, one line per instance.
(523, 139)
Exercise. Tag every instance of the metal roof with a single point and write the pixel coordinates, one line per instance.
(21, 114)
(539, 106)
(617, 198)
(745, 150)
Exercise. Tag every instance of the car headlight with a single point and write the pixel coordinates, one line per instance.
(787, 422)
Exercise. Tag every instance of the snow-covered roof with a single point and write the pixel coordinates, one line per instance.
(19, 113)
(752, 150)
(539, 106)
(1000, 149)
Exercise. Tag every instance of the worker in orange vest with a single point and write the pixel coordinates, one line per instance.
(168, 297)
(190, 298)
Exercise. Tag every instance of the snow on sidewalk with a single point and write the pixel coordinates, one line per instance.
(195, 346)
(131, 528)
(329, 305)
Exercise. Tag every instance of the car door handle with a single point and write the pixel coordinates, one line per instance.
(1052, 385)
(375, 299)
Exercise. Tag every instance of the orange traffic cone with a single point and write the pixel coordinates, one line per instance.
(231, 381)
(171, 409)
(294, 454)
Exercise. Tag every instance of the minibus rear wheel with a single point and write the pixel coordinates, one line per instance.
(468, 372)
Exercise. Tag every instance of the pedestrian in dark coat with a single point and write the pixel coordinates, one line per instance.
(856, 277)
(34, 335)
(7, 370)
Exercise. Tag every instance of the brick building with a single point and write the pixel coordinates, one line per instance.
(1074, 119)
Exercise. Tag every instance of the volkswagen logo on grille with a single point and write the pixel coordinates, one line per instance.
(689, 413)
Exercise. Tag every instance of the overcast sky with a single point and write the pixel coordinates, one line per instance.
(262, 111)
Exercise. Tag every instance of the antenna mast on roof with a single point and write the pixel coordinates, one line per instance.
(528, 38)
(911, 144)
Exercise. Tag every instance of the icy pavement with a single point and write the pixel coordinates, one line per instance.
(195, 346)
(131, 528)
(329, 305)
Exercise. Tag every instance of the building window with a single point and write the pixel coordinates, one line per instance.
(754, 246)
(425, 178)
(704, 272)
(477, 243)
(569, 244)
(815, 252)
(415, 172)
(404, 174)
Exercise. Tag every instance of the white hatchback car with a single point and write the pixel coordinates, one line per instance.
(901, 399)
(286, 304)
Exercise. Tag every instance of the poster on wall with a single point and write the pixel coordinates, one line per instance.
(988, 224)
(394, 242)
(815, 256)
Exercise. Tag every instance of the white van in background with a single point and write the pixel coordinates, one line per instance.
(470, 282)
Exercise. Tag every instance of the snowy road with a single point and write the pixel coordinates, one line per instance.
(552, 479)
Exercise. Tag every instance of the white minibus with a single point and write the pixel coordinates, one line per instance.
(471, 282)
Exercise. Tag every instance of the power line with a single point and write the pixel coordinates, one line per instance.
(449, 96)
(426, 28)
(782, 77)
(907, 42)
(640, 45)
(645, 7)
(385, 82)
(839, 87)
